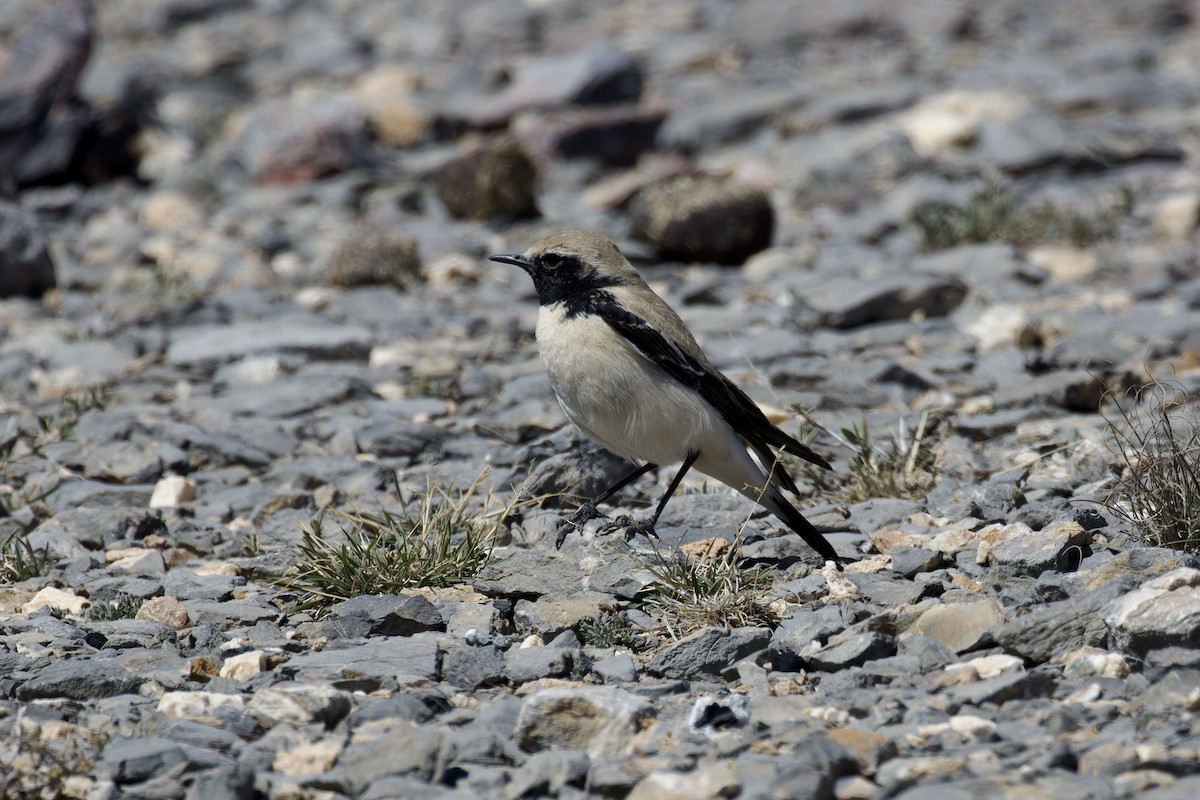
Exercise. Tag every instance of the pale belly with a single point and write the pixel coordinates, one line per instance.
(618, 397)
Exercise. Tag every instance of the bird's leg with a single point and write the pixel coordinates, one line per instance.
(588, 511)
(633, 527)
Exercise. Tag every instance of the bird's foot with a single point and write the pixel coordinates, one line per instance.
(582, 516)
(632, 527)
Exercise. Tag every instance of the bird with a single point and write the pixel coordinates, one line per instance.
(629, 374)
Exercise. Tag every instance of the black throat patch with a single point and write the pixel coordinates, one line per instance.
(572, 283)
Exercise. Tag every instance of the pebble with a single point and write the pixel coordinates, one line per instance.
(244, 284)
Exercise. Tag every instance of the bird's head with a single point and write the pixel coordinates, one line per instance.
(572, 263)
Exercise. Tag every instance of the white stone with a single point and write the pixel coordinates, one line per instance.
(308, 759)
(51, 597)
(1177, 216)
(172, 492)
(1064, 263)
(996, 665)
(197, 705)
(244, 665)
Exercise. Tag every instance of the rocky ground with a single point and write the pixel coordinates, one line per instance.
(242, 252)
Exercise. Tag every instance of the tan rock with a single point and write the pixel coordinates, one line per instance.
(1063, 262)
(171, 211)
(384, 95)
(308, 759)
(600, 719)
(11, 600)
(939, 125)
(1177, 216)
(867, 748)
(960, 626)
(706, 549)
(165, 610)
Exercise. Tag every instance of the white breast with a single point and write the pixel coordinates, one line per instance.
(617, 396)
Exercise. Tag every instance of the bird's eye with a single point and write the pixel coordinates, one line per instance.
(552, 260)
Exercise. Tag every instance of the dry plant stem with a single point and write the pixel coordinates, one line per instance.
(1156, 435)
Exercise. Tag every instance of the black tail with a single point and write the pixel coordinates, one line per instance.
(777, 504)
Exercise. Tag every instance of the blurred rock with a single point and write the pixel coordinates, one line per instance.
(498, 180)
(385, 96)
(25, 266)
(704, 219)
(590, 76)
(301, 139)
(376, 259)
(41, 119)
(614, 136)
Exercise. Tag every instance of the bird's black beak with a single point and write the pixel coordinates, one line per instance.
(516, 260)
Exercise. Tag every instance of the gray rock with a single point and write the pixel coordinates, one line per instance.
(299, 704)
(1164, 611)
(549, 772)
(730, 117)
(515, 573)
(296, 141)
(811, 769)
(929, 654)
(26, 269)
(1024, 685)
(374, 663)
(615, 136)
(1031, 552)
(838, 302)
(1073, 390)
(124, 634)
(230, 613)
(385, 615)
(1179, 688)
(1057, 628)
(310, 337)
(710, 651)
(225, 781)
(595, 74)
(287, 397)
(401, 439)
(371, 259)
(134, 761)
(850, 650)
(1034, 140)
(401, 749)
(524, 664)
(908, 561)
(618, 668)
(41, 121)
(86, 528)
(472, 667)
(79, 679)
(797, 632)
(80, 493)
(185, 584)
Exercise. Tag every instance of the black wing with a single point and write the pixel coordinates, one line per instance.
(734, 405)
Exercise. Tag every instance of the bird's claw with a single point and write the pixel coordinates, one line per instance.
(582, 516)
(632, 527)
